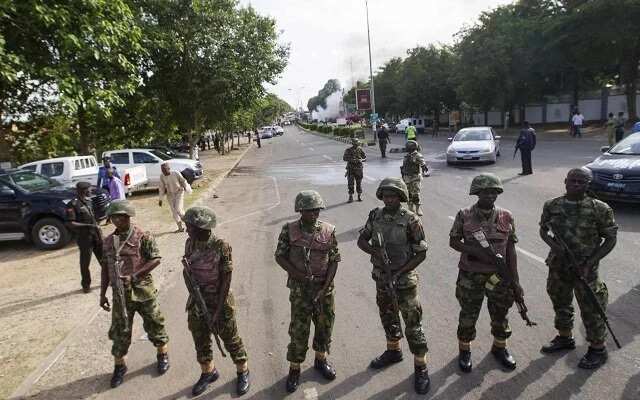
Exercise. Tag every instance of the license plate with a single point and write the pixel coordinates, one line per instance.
(616, 185)
(467, 157)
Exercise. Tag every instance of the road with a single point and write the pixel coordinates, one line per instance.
(257, 199)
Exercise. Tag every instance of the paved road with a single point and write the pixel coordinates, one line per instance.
(257, 199)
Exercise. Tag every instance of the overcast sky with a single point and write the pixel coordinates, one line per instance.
(328, 38)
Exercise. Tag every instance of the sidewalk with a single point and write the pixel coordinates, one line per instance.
(46, 318)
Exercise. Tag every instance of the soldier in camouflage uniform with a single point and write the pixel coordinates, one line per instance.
(308, 251)
(210, 262)
(479, 276)
(140, 255)
(412, 169)
(588, 228)
(354, 156)
(405, 245)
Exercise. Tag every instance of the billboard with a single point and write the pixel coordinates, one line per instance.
(363, 99)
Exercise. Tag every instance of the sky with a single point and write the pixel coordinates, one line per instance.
(328, 38)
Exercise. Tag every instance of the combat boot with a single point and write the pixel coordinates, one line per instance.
(350, 199)
(594, 358)
(326, 369)
(293, 380)
(418, 210)
(118, 375)
(421, 379)
(163, 363)
(205, 379)
(359, 196)
(559, 343)
(502, 355)
(387, 358)
(464, 360)
(243, 384)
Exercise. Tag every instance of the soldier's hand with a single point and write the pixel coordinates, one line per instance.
(159, 203)
(104, 303)
(518, 291)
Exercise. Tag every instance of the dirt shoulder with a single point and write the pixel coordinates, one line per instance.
(43, 310)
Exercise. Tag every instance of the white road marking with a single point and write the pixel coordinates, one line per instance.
(271, 207)
(521, 250)
(312, 149)
(327, 157)
(367, 177)
(310, 394)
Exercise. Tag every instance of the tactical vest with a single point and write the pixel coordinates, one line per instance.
(497, 230)
(205, 264)
(318, 242)
(394, 232)
(411, 133)
(411, 164)
(353, 156)
(130, 253)
(83, 211)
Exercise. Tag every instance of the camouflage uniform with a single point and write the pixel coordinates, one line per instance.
(582, 225)
(404, 237)
(141, 295)
(412, 167)
(89, 239)
(355, 169)
(473, 282)
(322, 241)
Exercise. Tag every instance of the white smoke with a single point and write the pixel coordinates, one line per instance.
(332, 111)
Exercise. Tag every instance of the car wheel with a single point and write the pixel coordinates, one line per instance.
(50, 234)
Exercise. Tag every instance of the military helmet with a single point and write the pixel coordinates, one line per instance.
(201, 217)
(308, 200)
(83, 185)
(411, 145)
(485, 181)
(121, 207)
(395, 184)
(355, 141)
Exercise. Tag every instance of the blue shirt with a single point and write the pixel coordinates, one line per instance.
(636, 128)
(102, 177)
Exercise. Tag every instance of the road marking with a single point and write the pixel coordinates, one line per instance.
(327, 157)
(367, 177)
(310, 394)
(312, 149)
(521, 250)
(271, 207)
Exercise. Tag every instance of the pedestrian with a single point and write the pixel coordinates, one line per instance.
(611, 129)
(308, 251)
(102, 182)
(88, 235)
(620, 121)
(395, 239)
(526, 143)
(354, 156)
(478, 275)
(134, 254)
(174, 185)
(383, 140)
(588, 228)
(411, 132)
(413, 169)
(258, 138)
(578, 121)
(210, 264)
(116, 188)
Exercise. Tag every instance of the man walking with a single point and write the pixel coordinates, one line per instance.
(103, 182)
(383, 139)
(173, 184)
(526, 143)
(588, 228)
(411, 132)
(620, 121)
(394, 238)
(210, 266)
(611, 129)
(577, 120)
(308, 251)
(88, 234)
(130, 254)
(413, 169)
(354, 156)
(115, 185)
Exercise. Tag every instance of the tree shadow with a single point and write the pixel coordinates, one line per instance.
(632, 389)
(348, 385)
(466, 383)
(570, 387)
(22, 306)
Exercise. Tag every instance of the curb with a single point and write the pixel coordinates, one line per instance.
(337, 138)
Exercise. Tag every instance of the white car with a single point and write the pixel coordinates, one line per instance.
(66, 170)
(266, 132)
(278, 130)
(477, 144)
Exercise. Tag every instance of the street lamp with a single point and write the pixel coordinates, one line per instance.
(373, 92)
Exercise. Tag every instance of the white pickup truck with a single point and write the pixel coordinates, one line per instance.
(151, 160)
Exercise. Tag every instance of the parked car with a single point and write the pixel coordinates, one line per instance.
(66, 170)
(616, 173)
(171, 152)
(151, 160)
(266, 132)
(278, 130)
(477, 144)
(34, 207)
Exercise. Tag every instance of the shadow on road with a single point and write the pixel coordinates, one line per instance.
(22, 306)
(80, 389)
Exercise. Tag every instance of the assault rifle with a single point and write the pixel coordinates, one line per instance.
(390, 284)
(200, 304)
(317, 303)
(505, 271)
(572, 263)
(117, 287)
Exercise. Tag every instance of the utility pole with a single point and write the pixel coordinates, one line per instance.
(373, 92)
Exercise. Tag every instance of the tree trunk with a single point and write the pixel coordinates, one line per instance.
(629, 76)
(83, 130)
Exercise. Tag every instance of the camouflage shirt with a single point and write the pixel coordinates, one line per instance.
(483, 215)
(581, 224)
(283, 247)
(352, 156)
(413, 163)
(148, 247)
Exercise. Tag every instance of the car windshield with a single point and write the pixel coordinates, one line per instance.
(630, 146)
(160, 154)
(30, 181)
(468, 136)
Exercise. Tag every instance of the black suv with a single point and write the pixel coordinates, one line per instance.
(34, 207)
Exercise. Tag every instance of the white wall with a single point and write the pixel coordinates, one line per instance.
(617, 104)
(558, 112)
(478, 119)
(591, 109)
(533, 114)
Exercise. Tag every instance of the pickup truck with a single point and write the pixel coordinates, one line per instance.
(151, 160)
(34, 207)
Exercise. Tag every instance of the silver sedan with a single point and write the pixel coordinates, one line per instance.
(477, 144)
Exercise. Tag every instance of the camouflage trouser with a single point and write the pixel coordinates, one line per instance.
(411, 311)
(152, 322)
(414, 183)
(227, 330)
(355, 176)
(302, 313)
(470, 292)
(561, 288)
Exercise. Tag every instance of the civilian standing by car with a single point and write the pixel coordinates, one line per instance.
(83, 222)
(383, 139)
(102, 173)
(173, 184)
(116, 187)
(578, 120)
(258, 138)
(620, 121)
(526, 143)
(611, 129)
